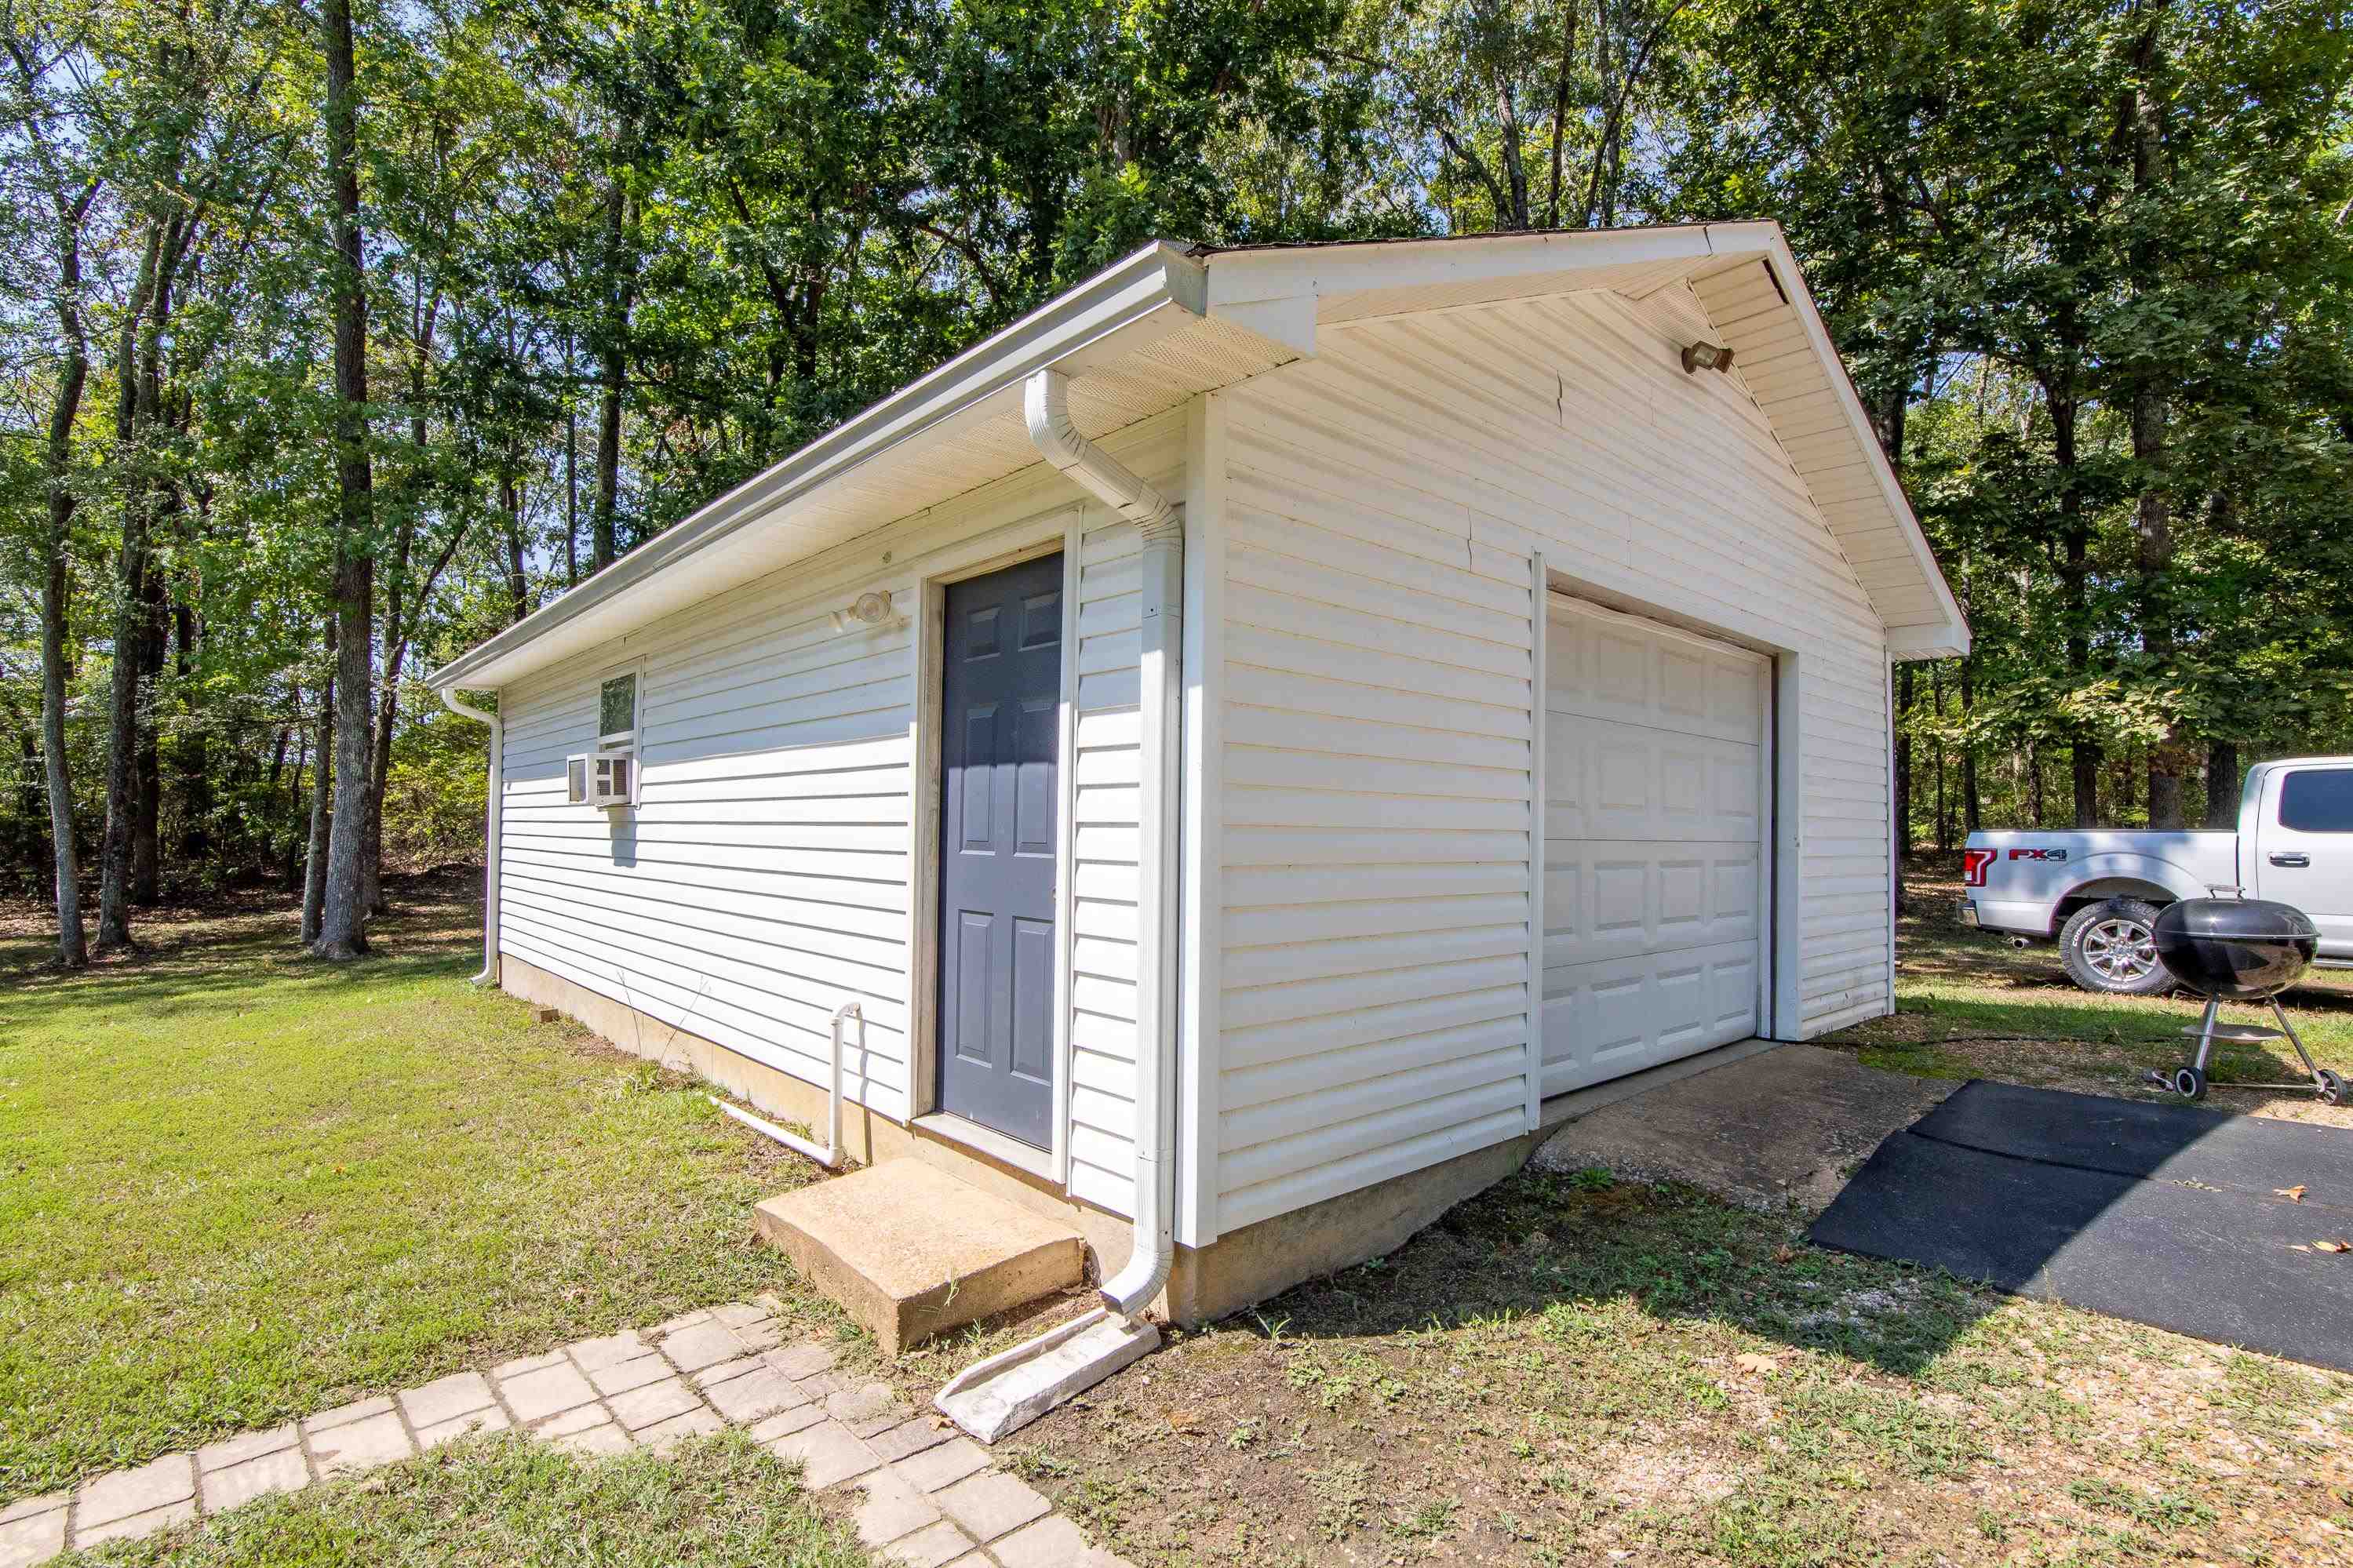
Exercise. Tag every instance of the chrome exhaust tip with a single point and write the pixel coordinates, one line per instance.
(2022, 942)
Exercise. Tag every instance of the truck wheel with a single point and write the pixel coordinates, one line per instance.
(2107, 947)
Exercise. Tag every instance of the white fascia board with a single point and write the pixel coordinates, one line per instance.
(1768, 238)
(1949, 640)
(1247, 276)
(1061, 330)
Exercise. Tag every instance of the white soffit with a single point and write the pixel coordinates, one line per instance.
(1169, 322)
(1782, 353)
(1748, 283)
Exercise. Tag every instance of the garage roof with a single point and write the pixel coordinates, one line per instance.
(1173, 321)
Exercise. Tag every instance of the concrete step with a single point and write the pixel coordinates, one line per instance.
(910, 1251)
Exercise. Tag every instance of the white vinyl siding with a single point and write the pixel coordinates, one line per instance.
(1377, 772)
(1102, 903)
(763, 880)
(1383, 501)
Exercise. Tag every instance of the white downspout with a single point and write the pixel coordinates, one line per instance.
(490, 974)
(1047, 403)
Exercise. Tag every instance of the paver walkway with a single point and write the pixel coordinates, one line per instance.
(922, 1494)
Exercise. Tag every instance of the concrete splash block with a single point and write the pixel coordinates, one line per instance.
(910, 1251)
(1013, 1388)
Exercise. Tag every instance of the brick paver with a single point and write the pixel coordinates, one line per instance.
(991, 1504)
(917, 1492)
(282, 1471)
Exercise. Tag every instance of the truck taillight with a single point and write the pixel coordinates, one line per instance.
(1973, 866)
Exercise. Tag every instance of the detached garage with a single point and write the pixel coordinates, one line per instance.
(1213, 759)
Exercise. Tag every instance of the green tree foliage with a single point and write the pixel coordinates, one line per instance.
(2089, 259)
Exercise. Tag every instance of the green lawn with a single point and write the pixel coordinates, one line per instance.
(721, 1503)
(1969, 1005)
(243, 1186)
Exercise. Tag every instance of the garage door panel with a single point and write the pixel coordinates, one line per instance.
(1654, 826)
(1605, 899)
(1632, 672)
(1620, 1015)
(1605, 779)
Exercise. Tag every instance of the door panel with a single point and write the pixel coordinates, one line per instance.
(1654, 829)
(1000, 708)
(2303, 849)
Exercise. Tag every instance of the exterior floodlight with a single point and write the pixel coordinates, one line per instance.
(873, 609)
(1706, 356)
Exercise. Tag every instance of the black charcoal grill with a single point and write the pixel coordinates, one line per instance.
(2238, 949)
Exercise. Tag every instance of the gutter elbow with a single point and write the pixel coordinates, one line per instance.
(1046, 401)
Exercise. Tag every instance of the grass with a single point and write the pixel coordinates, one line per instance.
(1575, 1369)
(1561, 1373)
(721, 1502)
(242, 1185)
(1969, 1005)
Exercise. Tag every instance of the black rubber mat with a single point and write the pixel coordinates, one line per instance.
(2176, 1142)
(2162, 1215)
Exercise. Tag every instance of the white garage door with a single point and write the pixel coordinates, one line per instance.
(1656, 799)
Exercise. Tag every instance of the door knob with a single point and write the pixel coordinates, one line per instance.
(2290, 861)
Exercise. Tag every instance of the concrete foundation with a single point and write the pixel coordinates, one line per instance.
(1769, 1130)
(1242, 1268)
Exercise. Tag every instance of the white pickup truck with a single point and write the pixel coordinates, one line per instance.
(2097, 891)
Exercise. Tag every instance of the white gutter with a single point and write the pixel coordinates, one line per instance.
(1046, 401)
(490, 974)
(828, 1153)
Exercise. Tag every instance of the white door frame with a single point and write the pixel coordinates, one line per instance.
(1059, 529)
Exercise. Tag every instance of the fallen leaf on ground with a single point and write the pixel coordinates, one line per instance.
(2340, 1245)
(1752, 1361)
(2293, 1195)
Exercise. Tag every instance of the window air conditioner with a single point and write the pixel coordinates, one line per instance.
(603, 778)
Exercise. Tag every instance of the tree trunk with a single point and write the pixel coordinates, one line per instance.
(1944, 818)
(130, 611)
(2223, 778)
(612, 368)
(314, 862)
(2169, 758)
(73, 946)
(571, 473)
(194, 754)
(1899, 808)
(388, 714)
(1972, 803)
(343, 910)
(146, 825)
(518, 584)
(2075, 537)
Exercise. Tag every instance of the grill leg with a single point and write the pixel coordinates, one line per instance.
(2289, 1031)
(2206, 1031)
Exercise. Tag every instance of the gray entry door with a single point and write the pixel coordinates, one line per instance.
(1000, 745)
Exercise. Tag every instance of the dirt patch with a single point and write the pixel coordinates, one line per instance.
(1578, 1369)
(1564, 1372)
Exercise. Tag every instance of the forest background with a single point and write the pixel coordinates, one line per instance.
(337, 334)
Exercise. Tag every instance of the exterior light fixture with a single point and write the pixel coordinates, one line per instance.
(873, 609)
(1706, 356)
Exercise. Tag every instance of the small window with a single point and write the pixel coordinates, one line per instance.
(2317, 800)
(617, 711)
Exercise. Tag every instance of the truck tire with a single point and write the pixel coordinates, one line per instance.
(2107, 948)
